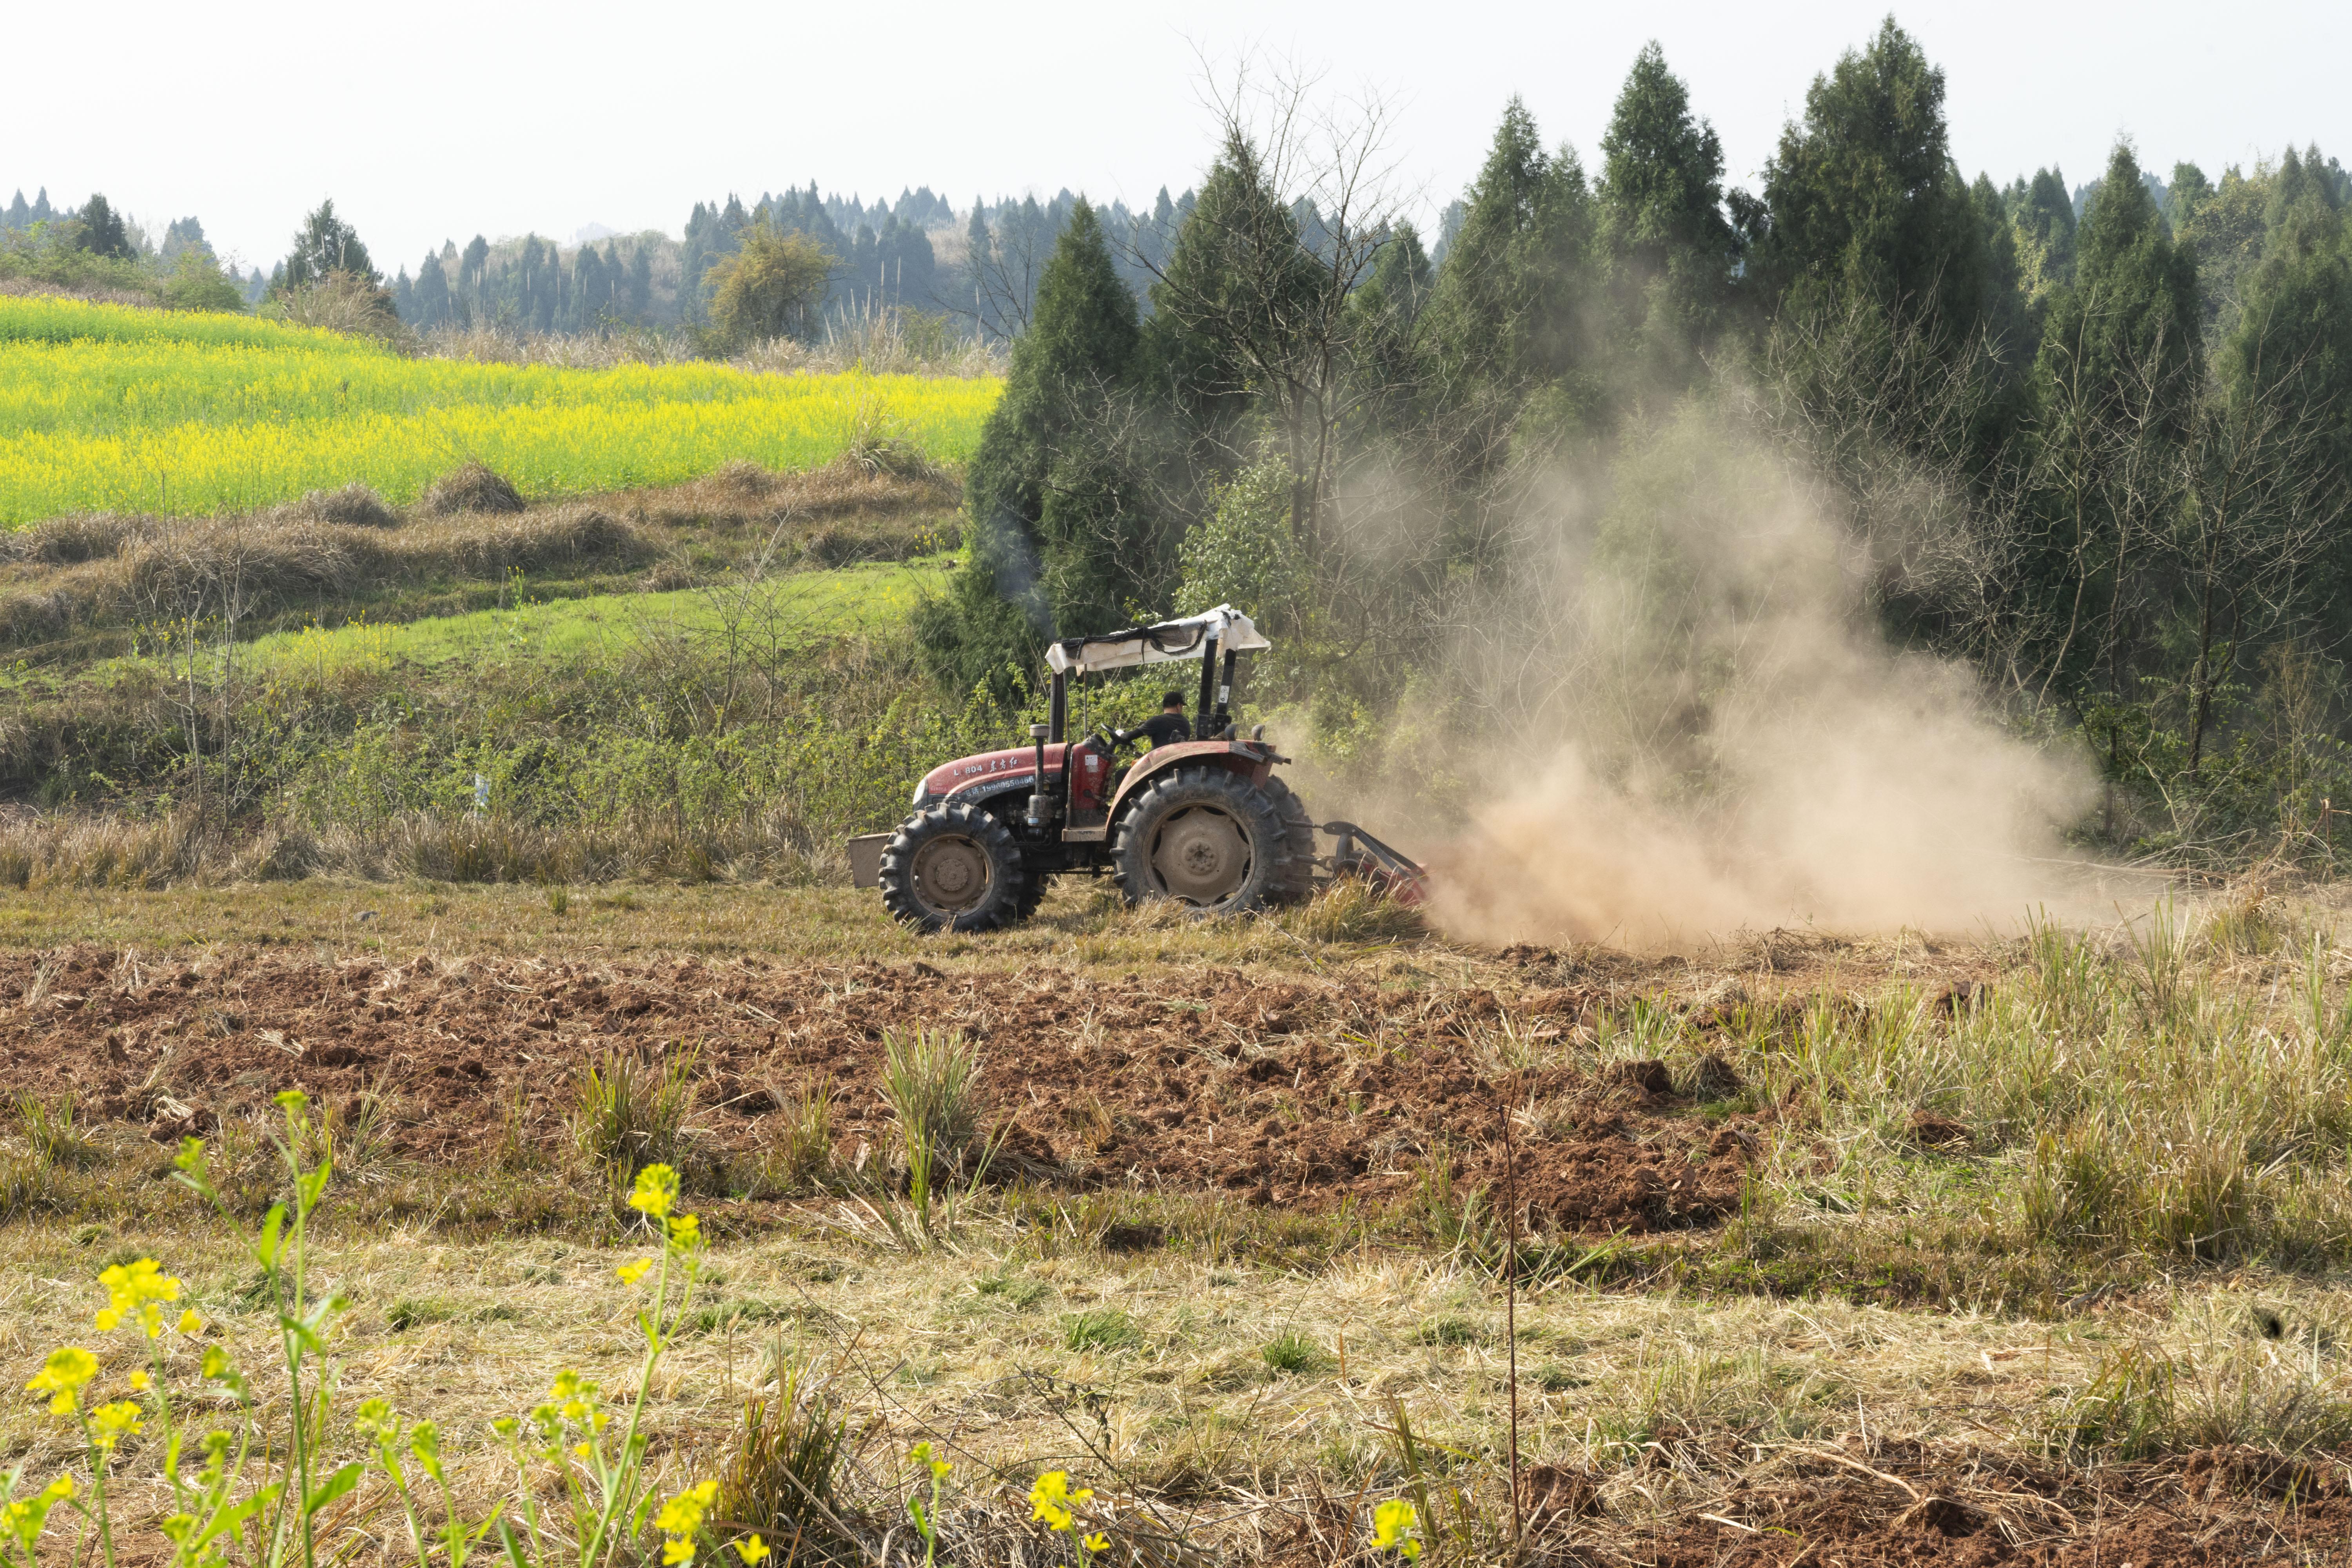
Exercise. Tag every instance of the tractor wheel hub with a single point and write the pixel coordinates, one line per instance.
(1202, 855)
(952, 874)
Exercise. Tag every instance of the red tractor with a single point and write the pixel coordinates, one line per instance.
(1204, 821)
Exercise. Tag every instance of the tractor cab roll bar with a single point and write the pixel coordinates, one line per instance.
(1201, 637)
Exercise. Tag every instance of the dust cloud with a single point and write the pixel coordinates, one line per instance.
(1694, 726)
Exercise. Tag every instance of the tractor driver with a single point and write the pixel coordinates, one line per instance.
(1164, 728)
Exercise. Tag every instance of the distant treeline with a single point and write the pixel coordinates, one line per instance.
(980, 270)
(94, 247)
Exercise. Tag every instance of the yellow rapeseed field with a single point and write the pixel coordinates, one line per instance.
(107, 407)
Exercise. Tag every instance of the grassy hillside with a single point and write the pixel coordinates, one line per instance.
(801, 608)
(105, 407)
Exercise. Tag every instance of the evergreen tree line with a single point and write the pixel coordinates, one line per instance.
(531, 286)
(95, 246)
(2097, 442)
(881, 257)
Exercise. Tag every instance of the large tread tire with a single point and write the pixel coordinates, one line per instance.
(956, 868)
(1219, 836)
(1297, 883)
(1032, 893)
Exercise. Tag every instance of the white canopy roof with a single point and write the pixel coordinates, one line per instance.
(1170, 642)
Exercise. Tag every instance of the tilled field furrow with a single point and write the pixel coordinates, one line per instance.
(1299, 1091)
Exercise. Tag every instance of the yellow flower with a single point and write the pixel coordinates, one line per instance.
(1052, 1500)
(1098, 1541)
(110, 1423)
(656, 1192)
(1394, 1525)
(24, 1517)
(923, 1453)
(189, 1323)
(682, 1515)
(631, 1273)
(137, 1290)
(751, 1549)
(108, 1319)
(63, 1374)
(685, 1231)
(141, 1381)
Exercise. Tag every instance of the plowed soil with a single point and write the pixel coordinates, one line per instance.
(1908, 1510)
(1284, 1091)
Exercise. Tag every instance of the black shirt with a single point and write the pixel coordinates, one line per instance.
(1164, 729)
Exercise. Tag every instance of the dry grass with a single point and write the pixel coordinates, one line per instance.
(1180, 1413)
(79, 573)
(338, 551)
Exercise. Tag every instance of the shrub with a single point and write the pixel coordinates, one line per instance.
(769, 288)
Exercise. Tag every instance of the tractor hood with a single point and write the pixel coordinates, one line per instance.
(985, 769)
(1168, 642)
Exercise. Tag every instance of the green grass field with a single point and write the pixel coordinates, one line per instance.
(105, 407)
(796, 608)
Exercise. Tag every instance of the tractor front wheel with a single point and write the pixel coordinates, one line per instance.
(955, 868)
(1203, 836)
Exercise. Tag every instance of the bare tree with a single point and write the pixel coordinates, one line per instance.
(2256, 514)
(1307, 201)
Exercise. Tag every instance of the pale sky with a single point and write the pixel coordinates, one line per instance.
(428, 120)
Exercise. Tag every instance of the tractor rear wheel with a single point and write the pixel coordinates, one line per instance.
(955, 868)
(1296, 884)
(1203, 836)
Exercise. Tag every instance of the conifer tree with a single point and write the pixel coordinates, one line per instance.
(2293, 350)
(325, 243)
(2115, 383)
(641, 282)
(2045, 223)
(1670, 251)
(2129, 328)
(1235, 281)
(1866, 202)
(1064, 540)
(432, 292)
(2008, 318)
(1511, 323)
(102, 232)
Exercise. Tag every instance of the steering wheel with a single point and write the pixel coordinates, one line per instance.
(1110, 738)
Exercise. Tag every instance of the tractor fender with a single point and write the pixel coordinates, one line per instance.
(1255, 763)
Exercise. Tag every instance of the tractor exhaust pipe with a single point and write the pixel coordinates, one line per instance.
(1200, 729)
(1041, 794)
